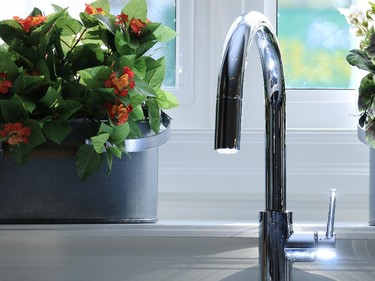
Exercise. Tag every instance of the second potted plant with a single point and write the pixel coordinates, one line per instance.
(362, 25)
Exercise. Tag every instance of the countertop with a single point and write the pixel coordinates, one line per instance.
(167, 251)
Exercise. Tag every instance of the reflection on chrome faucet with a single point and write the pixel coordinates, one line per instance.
(279, 247)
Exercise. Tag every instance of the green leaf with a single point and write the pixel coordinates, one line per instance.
(135, 131)
(136, 9)
(155, 76)
(140, 68)
(144, 47)
(24, 83)
(122, 46)
(366, 93)
(151, 64)
(12, 109)
(87, 161)
(108, 22)
(8, 66)
(142, 87)
(116, 151)
(27, 103)
(68, 26)
(71, 107)
(88, 20)
(56, 8)
(120, 133)
(21, 152)
(166, 100)
(109, 162)
(360, 59)
(94, 77)
(104, 128)
(164, 33)
(153, 114)
(53, 99)
(127, 60)
(86, 56)
(35, 12)
(42, 68)
(56, 131)
(136, 99)
(148, 32)
(11, 32)
(137, 113)
(370, 133)
(99, 141)
(37, 136)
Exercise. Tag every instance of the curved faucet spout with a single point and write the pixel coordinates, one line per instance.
(279, 246)
(229, 99)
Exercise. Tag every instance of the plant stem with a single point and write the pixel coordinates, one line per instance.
(79, 39)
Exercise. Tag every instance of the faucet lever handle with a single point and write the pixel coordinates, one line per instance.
(331, 214)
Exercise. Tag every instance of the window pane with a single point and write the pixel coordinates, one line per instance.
(165, 12)
(314, 41)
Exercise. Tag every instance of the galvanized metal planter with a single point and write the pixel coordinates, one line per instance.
(361, 136)
(47, 190)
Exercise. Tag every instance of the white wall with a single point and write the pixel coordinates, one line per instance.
(322, 150)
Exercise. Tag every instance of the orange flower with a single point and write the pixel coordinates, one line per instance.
(121, 84)
(5, 84)
(30, 22)
(136, 26)
(91, 10)
(15, 133)
(119, 114)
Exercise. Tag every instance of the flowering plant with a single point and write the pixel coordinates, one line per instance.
(54, 68)
(362, 24)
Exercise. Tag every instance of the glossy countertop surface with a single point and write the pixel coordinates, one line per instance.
(167, 251)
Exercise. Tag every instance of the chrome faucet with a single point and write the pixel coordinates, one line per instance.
(279, 246)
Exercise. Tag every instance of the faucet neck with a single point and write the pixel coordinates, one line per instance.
(229, 99)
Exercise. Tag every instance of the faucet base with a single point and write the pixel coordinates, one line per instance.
(275, 227)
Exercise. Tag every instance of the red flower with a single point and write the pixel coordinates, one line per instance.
(123, 93)
(15, 133)
(136, 26)
(122, 19)
(129, 72)
(5, 84)
(30, 22)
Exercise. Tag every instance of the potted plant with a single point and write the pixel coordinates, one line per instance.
(362, 25)
(88, 88)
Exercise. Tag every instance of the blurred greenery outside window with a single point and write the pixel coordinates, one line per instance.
(163, 11)
(314, 40)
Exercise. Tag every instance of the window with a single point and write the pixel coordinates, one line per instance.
(315, 40)
(311, 106)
